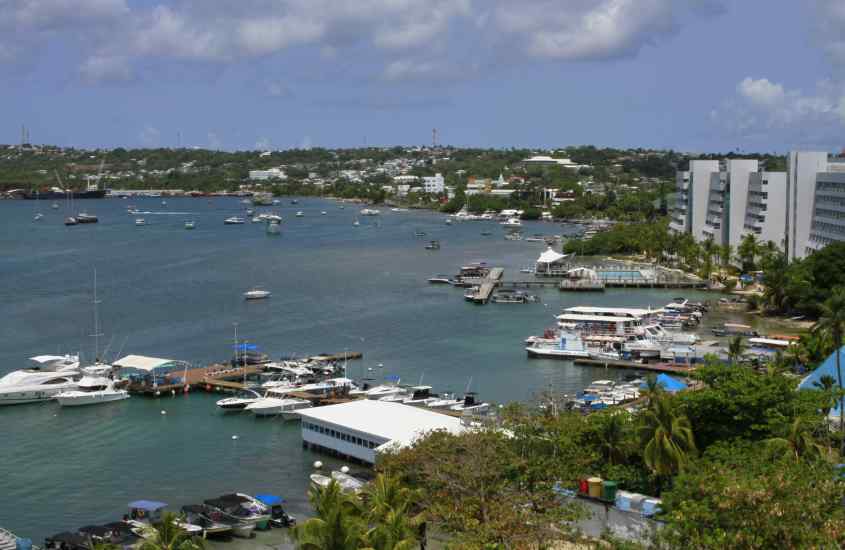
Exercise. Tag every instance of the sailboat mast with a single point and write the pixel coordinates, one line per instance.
(96, 334)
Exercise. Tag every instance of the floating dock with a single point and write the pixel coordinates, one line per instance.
(653, 367)
(488, 285)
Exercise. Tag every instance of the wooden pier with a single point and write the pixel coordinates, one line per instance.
(488, 285)
(653, 367)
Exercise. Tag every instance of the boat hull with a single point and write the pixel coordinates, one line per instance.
(53, 195)
(557, 353)
(78, 399)
(22, 397)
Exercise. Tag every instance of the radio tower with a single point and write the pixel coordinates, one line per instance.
(434, 138)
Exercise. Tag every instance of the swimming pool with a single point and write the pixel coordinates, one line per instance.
(630, 274)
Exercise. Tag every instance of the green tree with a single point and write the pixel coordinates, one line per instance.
(338, 524)
(832, 322)
(726, 252)
(736, 349)
(388, 510)
(666, 437)
(748, 252)
(827, 385)
(798, 441)
(613, 436)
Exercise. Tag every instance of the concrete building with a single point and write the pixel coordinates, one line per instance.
(269, 174)
(434, 184)
(828, 223)
(728, 193)
(765, 213)
(362, 429)
(693, 189)
(802, 167)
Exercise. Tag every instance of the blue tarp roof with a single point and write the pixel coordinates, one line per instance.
(668, 383)
(147, 505)
(828, 367)
(270, 500)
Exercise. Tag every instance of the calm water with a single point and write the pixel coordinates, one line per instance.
(174, 293)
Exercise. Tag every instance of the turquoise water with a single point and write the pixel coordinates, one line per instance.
(620, 275)
(169, 292)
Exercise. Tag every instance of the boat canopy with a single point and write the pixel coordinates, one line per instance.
(45, 359)
(147, 505)
(270, 500)
(147, 364)
(550, 257)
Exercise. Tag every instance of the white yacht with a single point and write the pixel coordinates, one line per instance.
(234, 220)
(446, 400)
(369, 212)
(326, 387)
(92, 390)
(269, 405)
(54, 375)
(256, 294)
(240, 401)
(512, 222)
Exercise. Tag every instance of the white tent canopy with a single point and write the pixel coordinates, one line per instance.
(141, 362)
(550, 257)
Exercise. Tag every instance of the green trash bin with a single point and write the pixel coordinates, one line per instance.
(608, 491)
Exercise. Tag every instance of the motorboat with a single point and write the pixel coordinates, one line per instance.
(250, 212)
(348, 483)
(276, 202)
(240, 401)
(65, 541)
(448, 221)
(433, 245)
(326, 387)
(37, 217)
(299, 213)
(86, 218)
(369, 212)
(140, 221)
(34, 385)
(323, 212)
(446, 400)
(278, 516)
(212, 521)
(419, 395)
(506, 296)
(419, 233)
(512, 222)
(274, 228)
(380, 391)
(356, 223)
(115, 533)
(287, 408)
(568, 345)
(320, 481)
(469, 405)
(144, 514)
(257, 294)
(440, 280)
(243, 507)
(234, 220)
(294, 201)
(54, 206)
(92, 390)
(70, 220)
(189, 225)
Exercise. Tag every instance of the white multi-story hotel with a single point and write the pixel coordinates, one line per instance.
(800, 210)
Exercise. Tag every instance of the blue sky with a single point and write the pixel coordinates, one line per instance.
(696, 75)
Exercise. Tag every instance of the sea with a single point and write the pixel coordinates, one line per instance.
(169, 292)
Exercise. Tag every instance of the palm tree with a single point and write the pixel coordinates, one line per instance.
(832, 322)
(708, 249)
(666, 437)
(338, 524)
(613, 438)
(827, 384)
(168, 535)
(736, 349)
(726, 252)
(748, 251)
(388, 511)
(798, 442)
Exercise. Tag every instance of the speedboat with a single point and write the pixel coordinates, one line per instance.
(70, 220)
(115, 533)
(356, 223)
(234, 220)
(420, 395)
(300, 213)
(445, 401)
(244, 507)
(433, 245)
(470, 405)
(65, 541)
(86, 218)
(92, 391)
(140, 221)
(274, 406)
(448, 221)
(240, 401)
(143, 514)
(189, 225)
(37, 216)
(250, 212)
(320, 481)
(369, 212)
(278, 516)
(512, 222)
(54, 206)
(256, 294)
(323, 212)
(211, 520)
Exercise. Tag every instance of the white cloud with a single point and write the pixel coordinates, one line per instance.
(150, 136)
(761, 92)
(100, 68)
(830, 33)
(407, 69)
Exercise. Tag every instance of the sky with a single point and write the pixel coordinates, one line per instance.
(690, 75)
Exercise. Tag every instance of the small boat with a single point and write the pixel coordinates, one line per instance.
(369, 212)
(356, 223)
(140, 221)
(250, 212)
(257, 219)
(269, 405)
(37, 217)
(274, 228)
(86, 218)
(448, 221)
(189, 225)
(486, 233)
(70, 220)
(323, 212)
(294, 201)
(244, 507)
(276, 201)
(433, 245)
(278, 516)
(419, 233)
(470, 405)
(445, 401)
(144, 514)
(300, 213)
(512, 222)
(234, 220)
(92, 391)
(440, 280)
(256, 294)
(240, 401)
(348, 483)
(513, 297)
(164, 203)
(212, 521)
(65, 541)
(54, 206)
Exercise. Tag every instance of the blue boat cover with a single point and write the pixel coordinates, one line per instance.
(827, 368)
(147, 505)
(246, 347)
(668, 383)
(392, 377)
(270, 500)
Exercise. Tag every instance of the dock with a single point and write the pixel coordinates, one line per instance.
(488, 285)
(653, 367)
(583, 285)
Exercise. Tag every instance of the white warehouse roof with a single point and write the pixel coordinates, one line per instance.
(398, 423)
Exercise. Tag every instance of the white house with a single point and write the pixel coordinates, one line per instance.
(434, 184)
(269, 174)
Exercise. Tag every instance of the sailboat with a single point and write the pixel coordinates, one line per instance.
(94, 388)
(38, 215)
(356, 223)
(70, 220)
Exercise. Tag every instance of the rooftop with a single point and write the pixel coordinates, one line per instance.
(398, 423)
(141, 362)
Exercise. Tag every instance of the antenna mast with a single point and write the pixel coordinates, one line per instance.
(97, 333)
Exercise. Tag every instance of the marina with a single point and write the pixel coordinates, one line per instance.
(178, 297)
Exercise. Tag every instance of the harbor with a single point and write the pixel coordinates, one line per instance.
(170, 293)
